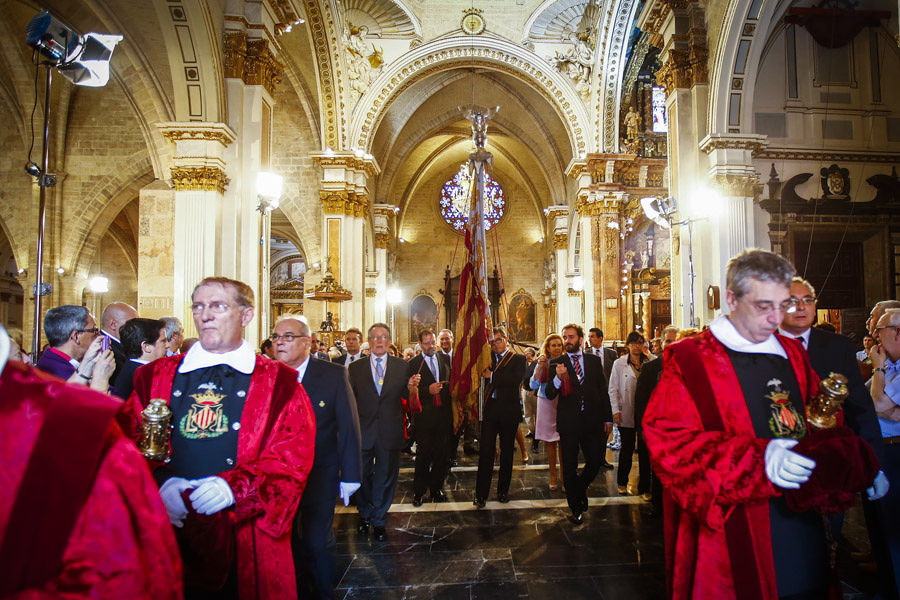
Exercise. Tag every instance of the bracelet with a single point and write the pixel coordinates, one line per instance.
(85, 377)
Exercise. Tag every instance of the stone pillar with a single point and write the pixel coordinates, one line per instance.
(156, 254)
(198, 176)
(251, 75)
(736, 223)
(679, 29)
(558, 224)
(383, 218)
(599, 209)
(345, 210)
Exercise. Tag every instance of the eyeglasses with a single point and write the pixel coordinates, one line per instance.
(896, 328)
(380, 338)
(94, 330)
(497, 340)
(288, 337)
(216, 307)
(767, 307)
(807, 300)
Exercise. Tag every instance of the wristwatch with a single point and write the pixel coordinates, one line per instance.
(881, 369)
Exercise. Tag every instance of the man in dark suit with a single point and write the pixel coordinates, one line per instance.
(583, 416)
(74, 354)
(434, 425)
(381, 388)
(607, 356)
(500, 417)
(337, 465)
(831, 352)
(112, 318)
(352, 342)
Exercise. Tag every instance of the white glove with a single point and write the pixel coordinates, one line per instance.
(879, 487)
(347, 489)
(212, 495)
(786, 468)
(171, 496)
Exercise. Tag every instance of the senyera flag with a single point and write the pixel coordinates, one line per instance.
(472, 354)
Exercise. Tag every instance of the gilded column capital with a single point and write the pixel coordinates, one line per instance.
(746, 186)
(207, 179)
(197, 132)
(595, 204)
(251, 60)
(334, 202)
(675, 71)
(382, 239)
(561, 241)
(371, 292)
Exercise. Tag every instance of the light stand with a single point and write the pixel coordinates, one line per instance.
(84, 60)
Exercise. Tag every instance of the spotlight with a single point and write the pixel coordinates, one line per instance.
(99, 284)
(82, 59)
(61, 271)
(33, 169)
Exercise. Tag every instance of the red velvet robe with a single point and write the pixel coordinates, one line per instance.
(122, 545)
(706, 474)
(267, 480)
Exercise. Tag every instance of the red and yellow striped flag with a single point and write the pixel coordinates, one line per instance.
(472, 353)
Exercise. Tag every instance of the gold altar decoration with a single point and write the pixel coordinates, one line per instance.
(156, 426)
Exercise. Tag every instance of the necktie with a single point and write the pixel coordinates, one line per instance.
(800, 339)
(432, 360)
(577, 365)
(379, 373)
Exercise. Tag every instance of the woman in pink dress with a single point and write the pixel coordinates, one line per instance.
(545, 425)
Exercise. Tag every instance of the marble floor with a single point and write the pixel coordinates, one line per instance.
(526, 548)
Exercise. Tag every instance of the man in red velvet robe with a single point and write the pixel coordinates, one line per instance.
(243, 441)
(80, 516)
(720, 427)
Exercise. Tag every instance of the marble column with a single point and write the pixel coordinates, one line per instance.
(384, 221)
(558, 224)
(199, 181)
(345, 210)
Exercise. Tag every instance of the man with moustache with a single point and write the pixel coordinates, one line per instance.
(500, 417)
(583, 417)
(381, 387)
(337, 468)
(242, 440)
(434, 424)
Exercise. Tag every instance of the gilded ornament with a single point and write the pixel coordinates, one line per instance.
(206, 179)
(382, 239)
(561, 241)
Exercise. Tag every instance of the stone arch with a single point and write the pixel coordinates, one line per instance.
(490, 53)
(616, 30)
(747, 25)
(325, 34)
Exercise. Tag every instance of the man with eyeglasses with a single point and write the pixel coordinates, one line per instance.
(242, 441)
(884, 525)
(832, 353)
(74, 354)
(337, 468)
(720, 428)
(500, 417)
(381, 387)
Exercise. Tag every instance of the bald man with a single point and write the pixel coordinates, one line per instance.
(113, 317)
(337, 468)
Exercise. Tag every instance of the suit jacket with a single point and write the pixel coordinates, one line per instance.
(592, 392)
(831, 352)
(119, 355)
(337, 423)
(342, 359)
(643, 389)
(432, 420)
(53, 363)
(124, 383)
(609, 357)
(380, 415)
(505, 383)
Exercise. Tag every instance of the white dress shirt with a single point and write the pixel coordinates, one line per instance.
(804, 337)
(241, 359)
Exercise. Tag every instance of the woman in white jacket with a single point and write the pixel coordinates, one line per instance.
(622, 380)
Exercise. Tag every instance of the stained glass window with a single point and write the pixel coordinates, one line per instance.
(455, 200)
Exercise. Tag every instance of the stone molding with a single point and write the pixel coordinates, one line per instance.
(827, 156)
(495, 53)
(347, 160)
(725, 141)
(206, 179)
(216, 132)
(251, 60)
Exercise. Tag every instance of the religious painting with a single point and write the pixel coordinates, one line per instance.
(422, 315)
(522, 320)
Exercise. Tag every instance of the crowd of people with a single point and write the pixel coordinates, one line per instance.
(262, 444)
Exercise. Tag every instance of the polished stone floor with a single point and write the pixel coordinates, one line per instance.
(526, 548)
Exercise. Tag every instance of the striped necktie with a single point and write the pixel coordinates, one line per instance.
(577, 364)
